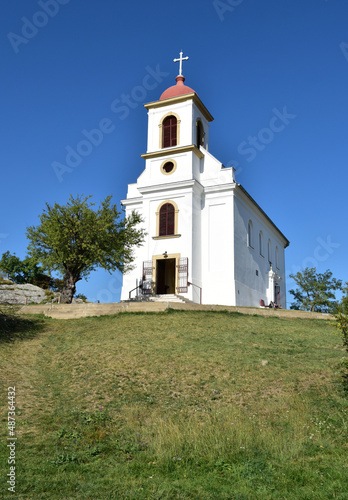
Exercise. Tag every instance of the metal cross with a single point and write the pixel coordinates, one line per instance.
(181, 59)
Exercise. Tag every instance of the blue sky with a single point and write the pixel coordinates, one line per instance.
(64, 71)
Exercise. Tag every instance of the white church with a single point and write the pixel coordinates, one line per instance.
(207, 239)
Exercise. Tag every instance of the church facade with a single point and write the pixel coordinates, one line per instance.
(207, 238)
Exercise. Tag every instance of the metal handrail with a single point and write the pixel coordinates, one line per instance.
(136, 288)
(200, 290)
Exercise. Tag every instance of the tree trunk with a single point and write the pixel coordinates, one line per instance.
(69, 288)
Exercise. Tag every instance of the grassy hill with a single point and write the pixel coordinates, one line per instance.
(175, 405)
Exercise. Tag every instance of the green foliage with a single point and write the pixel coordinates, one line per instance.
(27, 271)
(344, 301)
(20, 271)
(57, 285)
(74, 240)
(81, 296)
(315, 291)
(341, 323)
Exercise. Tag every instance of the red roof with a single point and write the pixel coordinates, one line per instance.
(176, 90)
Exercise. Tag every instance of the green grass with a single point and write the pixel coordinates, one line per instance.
(175, 406)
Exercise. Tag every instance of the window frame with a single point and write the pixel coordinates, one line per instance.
(277, 257)
(160, 125)
(261, 243)
(166, 220)
(250, 234)
(169, 160)
(200, 133)
(176, 213)
(172, 141)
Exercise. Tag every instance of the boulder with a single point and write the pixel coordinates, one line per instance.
(17, 294)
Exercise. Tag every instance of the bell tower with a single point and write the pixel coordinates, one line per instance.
(168, 194)
(178, 119)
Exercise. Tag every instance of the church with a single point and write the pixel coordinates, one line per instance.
(207, 239)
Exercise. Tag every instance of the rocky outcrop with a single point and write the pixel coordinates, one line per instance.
(21, 294)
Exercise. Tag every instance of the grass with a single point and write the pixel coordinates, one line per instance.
(175, 406)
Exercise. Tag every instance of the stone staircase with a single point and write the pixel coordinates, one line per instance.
(168, 297)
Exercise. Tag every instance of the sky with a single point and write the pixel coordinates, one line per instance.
(67, 65)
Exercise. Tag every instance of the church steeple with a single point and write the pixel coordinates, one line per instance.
(177, 120)
(178, 89)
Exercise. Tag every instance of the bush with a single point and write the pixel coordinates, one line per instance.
(81, 296)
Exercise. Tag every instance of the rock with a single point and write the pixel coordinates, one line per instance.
(17, 294)
(77, 301)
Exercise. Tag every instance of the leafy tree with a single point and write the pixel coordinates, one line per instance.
(81, 296)
(315, 291)
(27, 271)
(341, 323)
(11, 265)
(22, 271)
(343, 306)
(74, 239)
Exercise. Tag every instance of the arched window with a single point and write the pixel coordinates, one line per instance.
(200, 134)
(167, 220)
(261, 243)
(277, 257)
(269, 252)
(250, 234)
(169, 137)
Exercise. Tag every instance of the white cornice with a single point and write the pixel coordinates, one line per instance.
(132, 201)
(172, 151)
(182, 98)
(219, 188)
(170, 186)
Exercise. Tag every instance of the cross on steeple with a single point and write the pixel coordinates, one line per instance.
(181, 59)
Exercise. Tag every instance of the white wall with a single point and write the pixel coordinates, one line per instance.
(188, 114)
(251, 268)
(217, 249)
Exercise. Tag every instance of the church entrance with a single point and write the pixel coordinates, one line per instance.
(165, 276)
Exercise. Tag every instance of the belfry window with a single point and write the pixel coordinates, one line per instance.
(167, 220)
(200, 134)
(169, 132)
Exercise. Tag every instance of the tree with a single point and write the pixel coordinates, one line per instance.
(74, 239)
(343, 306)
(316, 290)
(341, 323)
(27, 271)
(21, 271)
